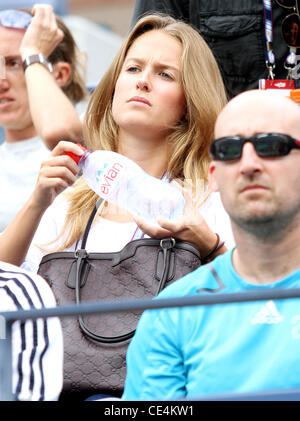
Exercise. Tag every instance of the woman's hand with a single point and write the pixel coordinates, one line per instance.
(190, 227)
(56, 174)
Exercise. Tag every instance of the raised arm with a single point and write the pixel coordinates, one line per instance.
(56, 174)
(53, 114)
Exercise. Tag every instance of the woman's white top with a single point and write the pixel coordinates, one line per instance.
(111, 236)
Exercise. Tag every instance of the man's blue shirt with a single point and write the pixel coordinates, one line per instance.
(225, 348)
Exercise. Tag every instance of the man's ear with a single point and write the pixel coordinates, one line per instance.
(212, 177)
(62, 72)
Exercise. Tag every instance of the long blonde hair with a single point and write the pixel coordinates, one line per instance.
(190, 140)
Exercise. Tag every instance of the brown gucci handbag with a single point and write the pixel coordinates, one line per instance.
(95, 345)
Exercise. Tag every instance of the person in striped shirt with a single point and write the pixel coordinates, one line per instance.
(37, 345)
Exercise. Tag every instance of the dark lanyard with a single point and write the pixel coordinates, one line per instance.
(290, 61)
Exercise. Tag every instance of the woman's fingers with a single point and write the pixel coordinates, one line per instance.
(59, 157)
(170, 226)
(55, 170)
(57, 173)
(151, 230)
(59, 160)
(65, 146)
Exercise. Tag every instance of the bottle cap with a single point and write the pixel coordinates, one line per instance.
(295, 95)
(76, 158)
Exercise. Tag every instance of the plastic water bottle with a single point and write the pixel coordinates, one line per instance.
(121, 181)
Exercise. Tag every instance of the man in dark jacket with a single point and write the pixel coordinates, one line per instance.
(235, 31)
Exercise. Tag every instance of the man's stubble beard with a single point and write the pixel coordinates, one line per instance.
(272, 225)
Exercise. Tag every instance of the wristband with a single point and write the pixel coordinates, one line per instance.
(37, 58)
(216, 247)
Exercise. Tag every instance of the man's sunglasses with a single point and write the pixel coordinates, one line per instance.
(15, 19)
(290, 26)
(267, 145)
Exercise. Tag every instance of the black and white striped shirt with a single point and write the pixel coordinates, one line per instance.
(37, 344)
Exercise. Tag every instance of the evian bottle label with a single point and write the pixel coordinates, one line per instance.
(109, 177)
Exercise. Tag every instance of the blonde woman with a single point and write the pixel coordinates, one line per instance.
(157, 104)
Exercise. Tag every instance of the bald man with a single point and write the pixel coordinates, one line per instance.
(249, 347)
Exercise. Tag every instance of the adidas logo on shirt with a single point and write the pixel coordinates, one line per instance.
(267, 315)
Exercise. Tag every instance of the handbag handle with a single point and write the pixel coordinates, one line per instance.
(166, 245)
(89, 223)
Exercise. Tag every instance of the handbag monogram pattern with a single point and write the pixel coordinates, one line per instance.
(95, 345)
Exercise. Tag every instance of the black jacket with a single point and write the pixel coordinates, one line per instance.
(234, 29)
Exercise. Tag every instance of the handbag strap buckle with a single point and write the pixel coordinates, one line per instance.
(167, 243)
(81, 254)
